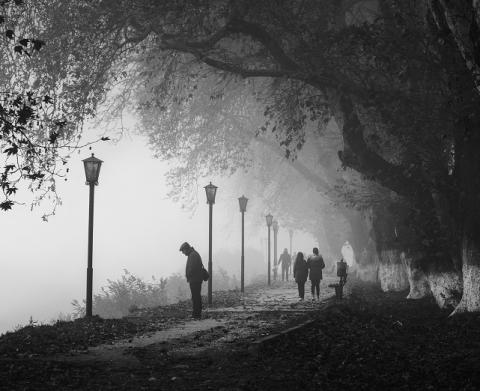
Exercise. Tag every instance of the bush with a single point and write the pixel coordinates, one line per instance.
(130, 292)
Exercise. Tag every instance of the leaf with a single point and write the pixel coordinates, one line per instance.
(24, 42)
(13, 150)
(11, 190)
(105, 138)
(9, 34)
(53, 137)
(47, 99)
(37, 44)
(18, 49)
(6, 205)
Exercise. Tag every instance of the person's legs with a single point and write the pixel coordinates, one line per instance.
(301, 289)
(196, 288)
(283, 273)
(315, 288)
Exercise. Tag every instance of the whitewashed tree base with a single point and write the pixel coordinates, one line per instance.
(392, 272)
(471, 290)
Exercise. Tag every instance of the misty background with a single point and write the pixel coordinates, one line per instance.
(136, 227)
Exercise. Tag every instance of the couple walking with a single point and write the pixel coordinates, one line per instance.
(311, 268)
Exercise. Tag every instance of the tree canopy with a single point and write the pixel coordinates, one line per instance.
(399, 79)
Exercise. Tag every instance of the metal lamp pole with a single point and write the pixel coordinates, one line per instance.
(92, 171)
(275, 232)
(290, 232)
(243, 207)
(269, 219)
(210, 191)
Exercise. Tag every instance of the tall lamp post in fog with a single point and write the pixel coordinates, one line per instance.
(242, 201)
(275, 232)
(211, 191)
(290, 232)
(269, 219)
(92, 171)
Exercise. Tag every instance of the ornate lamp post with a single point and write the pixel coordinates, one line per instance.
(275, 232)
(290, 232)
(269, 219)
(242, 201)
(92, 171)
(211, 191)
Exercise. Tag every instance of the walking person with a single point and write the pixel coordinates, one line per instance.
(315, 264)
(300, 273)
(194, 275)
(342, 268)
(285, 260)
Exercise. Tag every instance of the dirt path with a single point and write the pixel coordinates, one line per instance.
(159, 348)
(261, 312)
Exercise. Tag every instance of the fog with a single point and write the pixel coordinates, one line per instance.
(137, 227)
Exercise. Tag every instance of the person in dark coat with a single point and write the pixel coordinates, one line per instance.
(194, 275)
(315, 264)
(285, 260)
(300, 273)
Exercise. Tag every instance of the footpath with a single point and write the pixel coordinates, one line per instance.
(158, 348)
(264, 340)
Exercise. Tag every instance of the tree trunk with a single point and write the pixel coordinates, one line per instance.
(444, 285)
(392, 272)
(471, 276)
(367, 259)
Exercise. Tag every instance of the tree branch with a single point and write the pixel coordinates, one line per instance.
(360, 157)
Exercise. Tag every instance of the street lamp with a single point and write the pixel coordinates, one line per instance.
(211, 192)
(269, 219)
(290, 232)
(242, 201)
(275, 232)
(92, 171)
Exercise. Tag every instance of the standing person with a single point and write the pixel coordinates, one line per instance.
(285, 261)
(342, 268)
(300, 273)
(194, 275)
(315, 264)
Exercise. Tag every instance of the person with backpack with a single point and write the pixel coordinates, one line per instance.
(315, 264)
(300, 273)
(195, 274)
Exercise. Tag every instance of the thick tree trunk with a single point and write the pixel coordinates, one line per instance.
(468, 217)
(367, 258)
(392, 272)
(471, 276)
(417, 279)
(445, 286)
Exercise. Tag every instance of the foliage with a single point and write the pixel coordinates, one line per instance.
(400, 79)
(37, 136)
(129, 293)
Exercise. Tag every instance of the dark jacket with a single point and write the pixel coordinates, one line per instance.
(300, 270)
(315, 264)
(193, 270)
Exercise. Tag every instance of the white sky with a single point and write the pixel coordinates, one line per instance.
(136, 228)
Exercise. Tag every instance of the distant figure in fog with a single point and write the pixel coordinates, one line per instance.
(342, 268)
(194, 275)
(300, 273)
(315, 265)
(285, 261)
